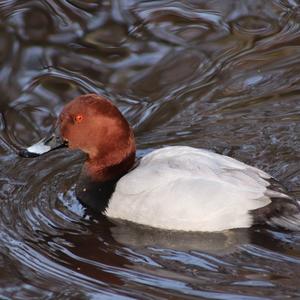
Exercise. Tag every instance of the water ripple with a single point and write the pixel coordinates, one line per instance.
(210, 74)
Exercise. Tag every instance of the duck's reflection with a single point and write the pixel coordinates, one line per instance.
(138, 236)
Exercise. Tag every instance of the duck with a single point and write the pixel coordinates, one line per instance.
(171, 188)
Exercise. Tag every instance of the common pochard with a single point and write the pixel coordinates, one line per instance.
(175, 188)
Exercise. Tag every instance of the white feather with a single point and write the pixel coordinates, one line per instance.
(184, 188)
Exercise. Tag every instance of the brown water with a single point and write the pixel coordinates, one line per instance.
(222, 75)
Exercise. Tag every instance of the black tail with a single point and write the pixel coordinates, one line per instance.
(281, 212)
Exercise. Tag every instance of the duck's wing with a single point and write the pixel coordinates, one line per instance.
(184, 188)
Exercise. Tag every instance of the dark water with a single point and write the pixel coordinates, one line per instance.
(222, 75)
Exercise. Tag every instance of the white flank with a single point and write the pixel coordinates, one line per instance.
(184, 188)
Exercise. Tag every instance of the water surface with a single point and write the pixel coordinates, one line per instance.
(221, 75)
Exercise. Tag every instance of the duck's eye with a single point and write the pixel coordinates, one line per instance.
(78, 118)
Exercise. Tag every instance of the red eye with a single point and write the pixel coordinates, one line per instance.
(78, 118)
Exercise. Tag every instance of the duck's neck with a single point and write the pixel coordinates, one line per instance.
(99, 176)
(102, 170)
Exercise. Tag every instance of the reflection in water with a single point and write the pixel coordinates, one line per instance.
(140, 237)
(221, 75)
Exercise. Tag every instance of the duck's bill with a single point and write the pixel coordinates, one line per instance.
(45, 145)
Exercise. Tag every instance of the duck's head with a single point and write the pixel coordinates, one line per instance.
(94, 125)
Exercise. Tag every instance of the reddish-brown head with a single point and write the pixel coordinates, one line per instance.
(94, 125)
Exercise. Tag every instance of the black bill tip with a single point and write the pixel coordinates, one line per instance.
(43, 146)
(26, 154)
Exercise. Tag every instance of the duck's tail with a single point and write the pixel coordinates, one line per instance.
(282, 213)
(289, 220)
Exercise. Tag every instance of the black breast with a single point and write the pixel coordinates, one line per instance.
(95, 195)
